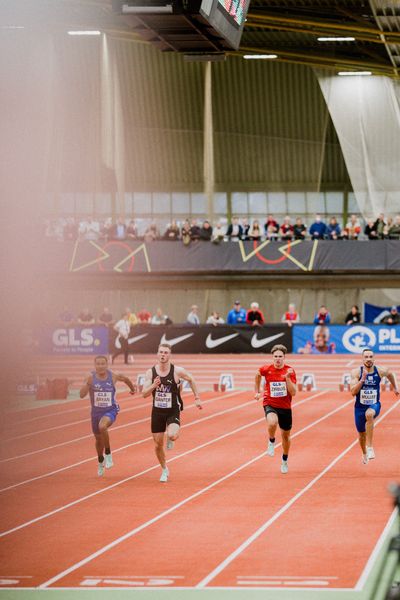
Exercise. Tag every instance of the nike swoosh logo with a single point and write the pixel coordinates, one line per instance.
(176, 340)
(130, 340)
(210, 343)
(256, 343)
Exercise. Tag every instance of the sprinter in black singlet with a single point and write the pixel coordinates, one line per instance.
(163, 382)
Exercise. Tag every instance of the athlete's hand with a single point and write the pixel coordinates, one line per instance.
(157, 382)
(132, 392)
(288, 374)
(364, 375)
(397, 393)
(198, 403)
(257, 396)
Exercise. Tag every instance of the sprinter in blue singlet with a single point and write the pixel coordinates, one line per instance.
(101, 387)
(365, 386)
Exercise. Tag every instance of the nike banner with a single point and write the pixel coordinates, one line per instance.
(186, 339)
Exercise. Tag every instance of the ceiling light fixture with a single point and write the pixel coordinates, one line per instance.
(259, 56)
(82, 32)
(348, 73)
(336, 39)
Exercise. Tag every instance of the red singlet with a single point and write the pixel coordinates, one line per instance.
(275, 392)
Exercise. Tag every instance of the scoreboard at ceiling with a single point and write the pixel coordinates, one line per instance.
(227, 17)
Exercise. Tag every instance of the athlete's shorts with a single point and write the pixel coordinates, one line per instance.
(359, 415)
(97, 416)
(160, 419)
(284, 416)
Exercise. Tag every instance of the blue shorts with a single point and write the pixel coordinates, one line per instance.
(359, 414)
(111, 413)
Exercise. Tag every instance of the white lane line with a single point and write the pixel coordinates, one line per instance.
(227, 561)
(89, 436)
(173, 508)
(146, 439)
(112, 486)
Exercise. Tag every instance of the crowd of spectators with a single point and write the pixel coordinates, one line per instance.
(238, 229)
(237, 315)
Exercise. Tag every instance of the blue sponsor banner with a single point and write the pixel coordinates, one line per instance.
(374, 314)
(74, 340)
(332, 339)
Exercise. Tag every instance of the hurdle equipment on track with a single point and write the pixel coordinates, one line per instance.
(307, 382)
(225, 383)
(140, 381)
(345, 385)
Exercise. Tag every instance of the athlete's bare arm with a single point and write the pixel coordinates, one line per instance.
(183, 374)
(355, 384)
(391, 377)
(86, 386)
(291, 386)
(149, 386)
(126, 380)
(257, 392)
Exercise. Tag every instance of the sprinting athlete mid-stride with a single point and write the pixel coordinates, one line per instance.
(101, 387)
(365, 386)
(163, 382)
(280, 387)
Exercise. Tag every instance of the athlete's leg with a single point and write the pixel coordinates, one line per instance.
(159, 448)
(99, 444)
(272, 423)
(285, 441)
(173, 430)
(104, 424)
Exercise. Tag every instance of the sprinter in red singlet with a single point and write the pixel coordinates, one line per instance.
(280, 387)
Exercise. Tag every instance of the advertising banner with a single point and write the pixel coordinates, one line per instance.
(331, 339)
(74, 340)
(207, 339)
(374, 314)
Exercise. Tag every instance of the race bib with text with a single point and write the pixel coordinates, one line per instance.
(368, 396)
(163, 399)
(277, 389)
(103, 399)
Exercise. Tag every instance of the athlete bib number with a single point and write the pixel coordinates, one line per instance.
(163, 400)
(277, 389)
(103, 399)
(368, 396)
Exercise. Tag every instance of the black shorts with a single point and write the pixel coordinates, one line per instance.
(284, 416)
(161, 418)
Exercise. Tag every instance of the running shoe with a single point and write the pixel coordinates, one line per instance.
(365, 459)
(370, 452)
(170, 444)
(284, 466)
(100, 469)
(164, 475)
(109, 461)
(271, 448)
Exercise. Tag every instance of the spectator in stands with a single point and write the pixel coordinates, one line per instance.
(320, 344)
(235, 230)
(185, 233)
(255, 232)
(286, 230)
(159, 318)
(299, 229)
(193, 317)
(123, 328)
(215, 319)
(333, 229)
(152, 233)
(388, 225)
(352, 229)
(246, 229)
(370, 230)
(89, 229)
(132, 230)
(322, 317)
(132, 318)
(380, 226)
(254, 315)
(105, 229)
(291, 316)
(144, 316)
(86, 317)
(172, 232)
(236, 316)
(354, 316)
(394, 230)
(70, 231)
(206, 231)
(318, 229)
(119, 230)
(66, 317)
(218, 235)
(393, 318)
(106, 317)
(271, 228)
(194, 230)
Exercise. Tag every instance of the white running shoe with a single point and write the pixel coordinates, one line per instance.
(284, 466)
(164, 475)
(170, 443)
(271, 448)
(365, 459)
(370, 452)
(108, 461)
(100, 469)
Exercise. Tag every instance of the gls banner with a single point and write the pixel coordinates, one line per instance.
(322, 339)
(204, 339)
(74, 340)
